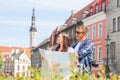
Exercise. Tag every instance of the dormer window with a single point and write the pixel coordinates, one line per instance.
(91, 11)
(97, 9)
(103, 6)
(74, 20)
(84, 14)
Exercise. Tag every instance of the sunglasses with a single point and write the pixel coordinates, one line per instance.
(78, 32)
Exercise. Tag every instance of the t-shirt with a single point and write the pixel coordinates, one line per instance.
(77, 47)
(70, 49)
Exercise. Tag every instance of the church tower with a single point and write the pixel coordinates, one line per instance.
(32, 30)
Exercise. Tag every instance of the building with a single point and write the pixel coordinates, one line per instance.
(32, 30)
(45, 44)
(113, 28)
(95, 21)
(35, 54)
(21, 62)
(15, 60)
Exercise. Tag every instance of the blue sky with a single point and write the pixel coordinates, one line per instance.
(15, 19)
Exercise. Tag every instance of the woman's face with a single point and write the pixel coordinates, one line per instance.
(60, 39)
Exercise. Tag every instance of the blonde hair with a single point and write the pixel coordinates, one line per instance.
(83, 28)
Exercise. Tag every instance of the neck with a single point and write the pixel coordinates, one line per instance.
(61, 45)
(82, 39)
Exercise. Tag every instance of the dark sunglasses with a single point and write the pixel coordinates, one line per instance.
(78, 32)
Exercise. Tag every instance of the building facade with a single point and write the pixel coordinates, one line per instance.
(95, 21)
(15, 61)
(36, 61)
(113, 28)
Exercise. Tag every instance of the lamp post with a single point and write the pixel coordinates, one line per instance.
(108, 52)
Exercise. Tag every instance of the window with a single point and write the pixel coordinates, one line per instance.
(99, 53)
(93, 32)
(118, 3)
(100, 30)
(23, 67)
(103, 6)
(74, 21)
(23, 60)
(97, 9)
(26, 61)
(114, 24)
(18, 67)
(91, 11)
(94, 55)
(118, 23)
(88, 33)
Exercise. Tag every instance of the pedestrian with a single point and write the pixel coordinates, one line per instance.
(63, 43)
(84, 49)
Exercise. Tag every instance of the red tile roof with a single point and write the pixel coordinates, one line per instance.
(5, 50)
(78, 15)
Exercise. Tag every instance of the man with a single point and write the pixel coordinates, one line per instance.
(84, 49)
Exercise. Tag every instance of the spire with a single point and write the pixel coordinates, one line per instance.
(33, 28)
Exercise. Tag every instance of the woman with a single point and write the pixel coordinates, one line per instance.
(63, 42)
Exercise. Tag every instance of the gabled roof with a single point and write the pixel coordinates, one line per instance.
(16, 56)
(27, 51)
(78, 14)
(6, 50)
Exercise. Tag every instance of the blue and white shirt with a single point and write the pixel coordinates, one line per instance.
(85, 52)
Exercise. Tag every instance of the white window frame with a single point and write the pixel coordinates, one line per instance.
(91, 11)
(100, 35)
(114, 26)
(118, 23)
(97, 8)
(93, 33)
(94, 56)
(88, 33)
(103, 6)
(99, 57)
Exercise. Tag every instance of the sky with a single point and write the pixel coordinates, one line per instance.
(15, 19)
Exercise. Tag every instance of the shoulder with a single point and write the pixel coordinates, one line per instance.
(70, 49)
(88, 42)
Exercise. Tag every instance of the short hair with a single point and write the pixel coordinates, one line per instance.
(83, 28)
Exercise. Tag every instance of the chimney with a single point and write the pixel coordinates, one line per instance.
(73, 12)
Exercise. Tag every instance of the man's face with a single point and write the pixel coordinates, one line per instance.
(79, 34)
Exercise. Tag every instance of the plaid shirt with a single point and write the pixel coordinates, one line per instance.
(85, 52)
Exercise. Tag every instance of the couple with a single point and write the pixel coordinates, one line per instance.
(83, 48)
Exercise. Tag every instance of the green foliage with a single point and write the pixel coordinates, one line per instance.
(0, 59)
(36, 75)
